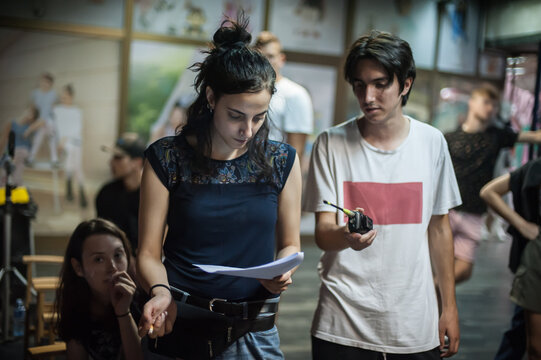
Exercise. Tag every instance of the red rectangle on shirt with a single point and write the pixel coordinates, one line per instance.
(386, 204)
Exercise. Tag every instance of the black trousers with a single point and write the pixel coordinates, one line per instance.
(325, 350)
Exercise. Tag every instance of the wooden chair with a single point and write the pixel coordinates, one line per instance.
(44, 311)
(46, 351)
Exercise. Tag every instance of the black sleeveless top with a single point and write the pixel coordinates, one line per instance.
(227, 218)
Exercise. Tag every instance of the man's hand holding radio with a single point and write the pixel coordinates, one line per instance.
(356, 240)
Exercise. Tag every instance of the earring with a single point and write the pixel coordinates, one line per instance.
(210, 108)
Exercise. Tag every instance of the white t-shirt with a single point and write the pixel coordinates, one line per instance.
(44, 101)
(290, 110)
(381, 298)
(69, 121)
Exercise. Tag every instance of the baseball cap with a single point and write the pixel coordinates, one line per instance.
(129, 143)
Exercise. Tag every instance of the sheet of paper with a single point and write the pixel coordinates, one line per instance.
(265, 271)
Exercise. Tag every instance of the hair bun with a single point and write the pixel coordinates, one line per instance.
(234, 36)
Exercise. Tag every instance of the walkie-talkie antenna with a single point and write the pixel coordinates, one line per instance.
(349, 213)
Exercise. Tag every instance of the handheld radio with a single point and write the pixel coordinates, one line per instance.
(357, 222)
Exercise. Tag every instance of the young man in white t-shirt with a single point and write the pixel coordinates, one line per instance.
(290, 110)
(377, 293)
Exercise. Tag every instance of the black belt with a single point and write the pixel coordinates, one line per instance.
(246, 310)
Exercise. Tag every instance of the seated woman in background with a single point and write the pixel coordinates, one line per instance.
(94, 300)
(525, 257)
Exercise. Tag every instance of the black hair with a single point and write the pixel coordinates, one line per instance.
(393, 53)
(231, 67)
(73, 296)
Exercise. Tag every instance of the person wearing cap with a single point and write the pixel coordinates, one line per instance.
(118, 200)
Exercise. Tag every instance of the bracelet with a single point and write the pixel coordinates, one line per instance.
(158, 285)
(120, 316)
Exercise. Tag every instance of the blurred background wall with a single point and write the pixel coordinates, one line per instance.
(128, 61)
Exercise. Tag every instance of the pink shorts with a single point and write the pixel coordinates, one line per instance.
(466, 230)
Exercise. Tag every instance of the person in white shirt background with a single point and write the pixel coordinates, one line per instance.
(291, 111)
(69, 119)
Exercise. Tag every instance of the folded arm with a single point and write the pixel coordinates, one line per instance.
(492, 194)
(531, 137)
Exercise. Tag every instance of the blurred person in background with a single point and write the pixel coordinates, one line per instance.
(43, 98)
(524, 218)
(291, 112)
(118, 200)
(474, 147)
(69, 120)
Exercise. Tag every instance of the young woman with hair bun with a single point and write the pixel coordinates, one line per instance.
(227, 196)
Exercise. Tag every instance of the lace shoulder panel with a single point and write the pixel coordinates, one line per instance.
(166, 156)
(171, 157)
(282, 157)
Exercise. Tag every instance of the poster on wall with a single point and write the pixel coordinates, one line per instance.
(451, 105)
(459, 37)
(414, 21)
(84, 12)
(196, 20)
(492, 66)
(160, 83)
(309, 26)
(74, 82)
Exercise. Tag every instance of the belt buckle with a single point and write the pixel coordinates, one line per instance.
(212, 301)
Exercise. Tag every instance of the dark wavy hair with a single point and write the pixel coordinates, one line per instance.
(393, 53)
(231, 67)
(73, 296)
